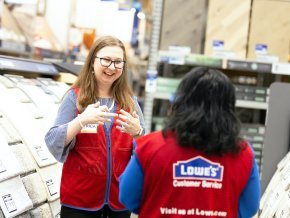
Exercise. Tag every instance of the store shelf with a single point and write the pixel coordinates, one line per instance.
(249, 66)
(15, 52)
(252, 104)
(26, 65)
(175, 58)
(162, 95)
(239, 103)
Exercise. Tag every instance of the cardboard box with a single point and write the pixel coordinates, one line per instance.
(227, 27)
(183, 24)
(270, 29)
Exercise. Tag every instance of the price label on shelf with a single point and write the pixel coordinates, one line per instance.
(9, 203)
(281, 68)
(52, 188)
(41, 153)
(218, 45)
(151, 81)
(261, 49)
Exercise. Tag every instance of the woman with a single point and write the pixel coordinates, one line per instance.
(93, 134)
(197, 166)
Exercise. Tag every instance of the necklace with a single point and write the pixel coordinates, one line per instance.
(105, 101)
(111, 107)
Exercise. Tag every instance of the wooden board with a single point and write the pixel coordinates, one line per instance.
(228, 21)
(270, 25)
(37, 31)
(183, 24)
(10, 24)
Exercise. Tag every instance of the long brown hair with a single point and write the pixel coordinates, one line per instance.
(88, 86)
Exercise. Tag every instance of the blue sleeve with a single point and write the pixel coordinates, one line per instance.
(250, 198)
(131, 185)
(55, 137)
(134, 144)
(139, 112)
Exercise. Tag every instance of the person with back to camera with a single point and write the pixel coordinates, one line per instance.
(93, 134)
(196, 166)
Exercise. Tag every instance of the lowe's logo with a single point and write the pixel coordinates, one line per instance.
(198, 168)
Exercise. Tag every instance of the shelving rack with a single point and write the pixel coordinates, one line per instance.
(152, 63)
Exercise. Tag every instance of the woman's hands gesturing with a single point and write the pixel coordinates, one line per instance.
(129, 123)
(94, 113)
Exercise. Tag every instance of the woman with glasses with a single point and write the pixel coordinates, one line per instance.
(93, 133)
(197, 166)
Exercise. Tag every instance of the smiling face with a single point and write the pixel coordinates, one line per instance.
(106, 76)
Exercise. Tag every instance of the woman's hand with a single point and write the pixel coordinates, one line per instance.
(129, 123)
(94, 113)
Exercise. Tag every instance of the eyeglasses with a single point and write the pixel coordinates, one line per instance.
(105, 62)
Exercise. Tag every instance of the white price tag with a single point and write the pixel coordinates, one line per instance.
(281, 68)
(151, 81)
(9, 203)
(41, 153)
(51, 187)
(261, 49)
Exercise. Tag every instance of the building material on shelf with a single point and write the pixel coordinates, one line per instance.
(12, 39)
(29, 185)
(251, 93)
(227, 27)
(9, 22)
(249, 66)
(39, 35)
(270, 29)
(184, 26)
(14, 198)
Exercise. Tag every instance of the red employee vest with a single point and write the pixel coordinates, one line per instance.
(90, 175)
(182, 182)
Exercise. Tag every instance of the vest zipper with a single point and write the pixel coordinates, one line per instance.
(109, 164)
(109, 157)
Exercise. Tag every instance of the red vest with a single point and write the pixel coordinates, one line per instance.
(182, 182)
(90, 175)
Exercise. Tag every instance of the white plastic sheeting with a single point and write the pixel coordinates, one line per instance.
(51, 176)
(9, 132)
(42, 211)
(25, 159)
(9, 165)
(14, 199)
(27, 120)
(56, 88)
(55, 208)
(37, 195)
(29, 174)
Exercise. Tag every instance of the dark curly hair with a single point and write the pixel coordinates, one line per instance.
(203, 113)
